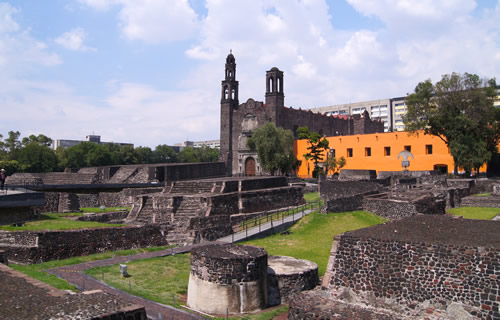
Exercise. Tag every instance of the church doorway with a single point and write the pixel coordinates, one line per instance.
(250, 166)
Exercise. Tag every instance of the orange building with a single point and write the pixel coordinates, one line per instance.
(379, 151)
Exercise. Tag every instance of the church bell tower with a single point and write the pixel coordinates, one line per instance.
(228, 103)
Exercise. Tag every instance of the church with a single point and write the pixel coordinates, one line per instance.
(238, 121)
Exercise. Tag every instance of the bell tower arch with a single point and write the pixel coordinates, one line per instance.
(275, 97)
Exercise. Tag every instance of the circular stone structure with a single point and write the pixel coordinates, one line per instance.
(226, 277)
(287, 276)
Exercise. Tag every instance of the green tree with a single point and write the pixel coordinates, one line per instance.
(97, 155)
(188, 155)
(76, 156)
(10, 166)
(333, 164)
(144, 155)
(41, 139)
(37, 158)
(317, 147)
(164, 154)
(459, 110)
(274, 147)
(207, 154)
(12, 145)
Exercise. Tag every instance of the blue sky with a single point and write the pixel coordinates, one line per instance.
(148, 72)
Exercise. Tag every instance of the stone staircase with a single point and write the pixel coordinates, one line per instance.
(122, 174)
(141, 175)
(193, 187)
(68, 202)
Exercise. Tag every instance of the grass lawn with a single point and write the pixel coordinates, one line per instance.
(156, 279)
(312, 237)
(106, 209)
(34, 271)
(475, 212)
(311, 197)
(55, 221)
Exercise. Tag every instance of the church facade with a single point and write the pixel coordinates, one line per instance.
(238, 121)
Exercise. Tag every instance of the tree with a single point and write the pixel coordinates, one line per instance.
(333, 164)
(317, 147)
(11, 145)
(144, 155)
(274, 147)
(164, 154)
(459, 110)
(41, 139)
(37, 158)
(188, 155)
(207, 154)
(10, 166)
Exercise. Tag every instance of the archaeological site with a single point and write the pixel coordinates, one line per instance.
(420, 262)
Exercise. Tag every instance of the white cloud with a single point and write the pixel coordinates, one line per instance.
(19, 51)
(73, 40)
(153, 21)
(7, 24)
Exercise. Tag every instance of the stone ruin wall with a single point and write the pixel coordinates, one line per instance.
(30, 246)
(406, 274)
(341, 196)
(397, 209)
(124, 198)
(269, 199)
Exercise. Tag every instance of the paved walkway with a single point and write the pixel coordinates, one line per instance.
(74, 273)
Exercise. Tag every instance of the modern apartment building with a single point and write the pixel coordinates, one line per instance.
(376, 109)
(65, 143)
(389, 110)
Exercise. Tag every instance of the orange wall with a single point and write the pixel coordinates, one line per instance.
(378, 161)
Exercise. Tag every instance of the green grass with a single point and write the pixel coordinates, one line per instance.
(33, 270)
(54, 221)
(475, 212)
(107, 209)
(312, 237)
(156, 279)
(482, 194)
(311, 197)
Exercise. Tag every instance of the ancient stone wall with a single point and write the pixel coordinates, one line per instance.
(425, 262)
(51, 202)
(17, 215)
(484, 185)
(209, 228)
(401, 208)
(357, 175)
(344, 204)
(268, 199)
(216, 264)
(490, 202)
(264, 183)
(54, 245)
(224, 204)
(332, 189)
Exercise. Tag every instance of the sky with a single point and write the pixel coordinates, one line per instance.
(149, 72)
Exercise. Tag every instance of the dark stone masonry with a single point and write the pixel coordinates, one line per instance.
(418, 263)
(32, 246)
(227, 264)
(25, 298)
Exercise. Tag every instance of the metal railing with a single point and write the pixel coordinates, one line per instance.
(275, 217)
